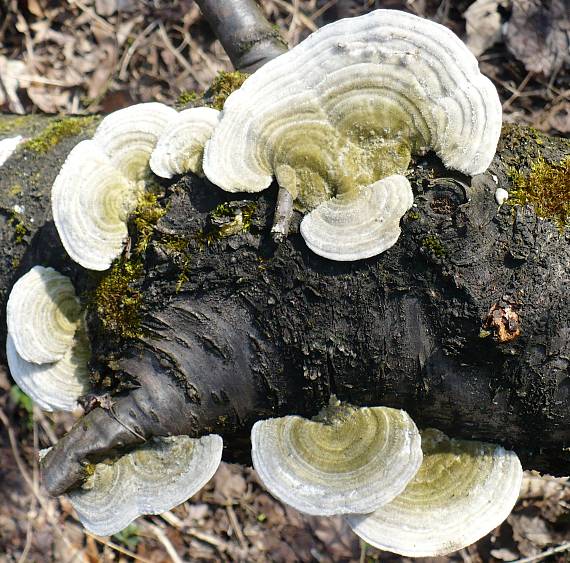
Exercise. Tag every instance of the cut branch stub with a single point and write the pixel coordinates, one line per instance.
(348, 460)
(42, 314)
(344, 108)
(151, 479)
(462, 491)
(181, 148)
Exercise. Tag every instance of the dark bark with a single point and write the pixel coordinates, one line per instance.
(261, 329)
(246, 35)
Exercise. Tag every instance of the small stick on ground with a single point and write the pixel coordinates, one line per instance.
(552, 551)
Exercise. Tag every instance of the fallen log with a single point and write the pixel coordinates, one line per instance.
(206, 325)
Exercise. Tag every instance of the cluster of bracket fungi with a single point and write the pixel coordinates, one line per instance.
(335, 121)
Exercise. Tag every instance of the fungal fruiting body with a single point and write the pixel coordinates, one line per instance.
(462, 491)
(150, 479)
(181, 147)
(46, 347)
(101, 182)
(359, 225)
(42, 315)
(346, 108)
(347, 460)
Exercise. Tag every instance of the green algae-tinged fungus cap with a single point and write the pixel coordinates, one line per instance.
(347, 460)
(128, 136)
(345, 107)
(151, 479)
(102, 181)
(180, 149)
(53, 386)
(462, 491)
(91, 202)
(361, 225)
(42, 315)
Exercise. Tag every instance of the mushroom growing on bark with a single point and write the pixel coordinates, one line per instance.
(101, 182)
(151, 479)
(345, 460)
(47, 348)
(181, 147)
(345, 109)
(463, 490)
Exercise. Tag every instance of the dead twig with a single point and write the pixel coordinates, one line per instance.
(117, 548)
(178, 56)
(552, 551)
(235, 526)
(158, 532)
(519, 90)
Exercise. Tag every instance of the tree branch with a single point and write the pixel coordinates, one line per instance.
(246, 35)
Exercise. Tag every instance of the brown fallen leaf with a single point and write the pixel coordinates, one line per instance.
(538, 34)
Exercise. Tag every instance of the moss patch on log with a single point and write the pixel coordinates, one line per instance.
(116, 300)
(223, 85)
(546, 188)
(58, 130)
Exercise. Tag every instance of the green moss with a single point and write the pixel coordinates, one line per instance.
(546, 187)
(186, 97)
(226, 221)
(56, 131)
(433, 245)
(117, 302)
(144, 218)
(413, 215)
(11, 123)
(15, 189)
(223, 85)
(20, 229)
(519, 145)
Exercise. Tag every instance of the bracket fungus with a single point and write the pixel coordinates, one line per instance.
(347, 460)
(462, 491)
(349, 105)
(47, 348)
(53, 386)
(102, 180)
(361, 225)
(151, 479)
(42, 314)
(181, 148)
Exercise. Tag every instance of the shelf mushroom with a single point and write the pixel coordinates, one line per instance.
(150, 479)
(354, 226)
(462, 491)
(180, 148)
(348, 106)
(47, 348)
(102, 180)
(42, 315)
(347, 460)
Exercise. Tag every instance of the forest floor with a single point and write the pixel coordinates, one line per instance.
(86, 56)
